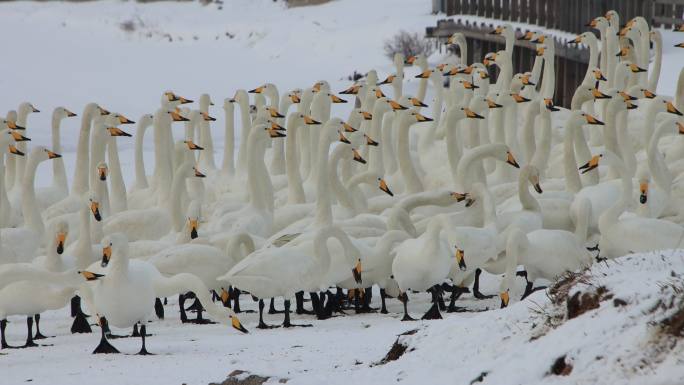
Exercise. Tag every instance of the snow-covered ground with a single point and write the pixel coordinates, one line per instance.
(72, 53)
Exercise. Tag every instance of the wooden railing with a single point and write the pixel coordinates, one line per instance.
(566, 15)
(571, 60)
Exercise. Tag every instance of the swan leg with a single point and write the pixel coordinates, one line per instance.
(199, 320)
(403, 297)
(299, 304)
(104, 347)
(29, 337)
(529, 289)
(365, 296)
(75, 305)
(196, 305)
(271, 307)
(143, 332)
(158, 308)
(3, 341)
(476, 286)
(181, 305)
(433, 312)
(39, 335)
(286, 323)
(383, 307)
(456, 292)
(262, 324)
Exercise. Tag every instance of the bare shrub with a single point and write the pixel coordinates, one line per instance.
(128, 26)
(408, 44)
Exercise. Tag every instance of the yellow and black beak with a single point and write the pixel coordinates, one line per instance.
(310, 121)
(485, 75)
(540, 51)
(225, 297)
(422, 118)
(357, 157)
(624, 51)
(276, 126)
(511, 160)
(592, 120)
(649, 95)
(344, 139)
(177, 117)
(102, 172)
(353, 90)
(592, 24)
(19, 137)
(527, 36)
(274, 113)
(630, 105)
(599, 95)
(14, 126)
(235, 322)
(370, 141)
(171, 97)
(53, 155)
(643, 188)
(598, 75)
(257, 90)
(69, 114)
(103, 111)
(539, 40)
(460, 197)
(680, 45)
(519, 98)
(417, 103)
(497, 31)
(424, 75)
(184, 100)
(469, 86)
(383, 186)
(61, 238)
(95, 209)
(636, 69)
(348, 128)
(493, 104)
(537, 187)
(471, 114)
(356, 271)
(194, 225)
(466, 70)
(388, 80)
(548, 103)
(623, 31)
(366, 115)
(337, 99)
(504, 298)
(14, 150)
(275, 133)
(460, 258)
(577, 40)
(591, 164)
(680, 127)
(198, 174)
(671, 109)
(525, 79)
(396, 106)
(207, 117)
(34, 109)
(106, 255)
(192, 146)
(295, 99)
(90, 276)
(125, 120)
(116, 131)
(379, 94)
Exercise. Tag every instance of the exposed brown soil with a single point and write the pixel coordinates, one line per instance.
(582, 302)
(560, 367)
(252, 379)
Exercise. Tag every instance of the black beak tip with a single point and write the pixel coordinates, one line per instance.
(643, 199)
(98, 217)
(193, 234)
(60, 248)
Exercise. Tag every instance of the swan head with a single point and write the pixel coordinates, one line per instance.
(533, 177)
(102, 171)
(93, 203)
(41, 153)
(61, 113)
(295, 96)
(113, 243)
(505, 298)
(503, 153)
(460, 258)
(644, 179)
(352, 90)
(193, 214)
(598, 23)
(324, 86)
(170, 98)
(578, 117)
(205, 101)
(27, 108)
(145, 120)
(61, 230)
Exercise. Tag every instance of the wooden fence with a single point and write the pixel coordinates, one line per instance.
(571, 60)
(566, 15)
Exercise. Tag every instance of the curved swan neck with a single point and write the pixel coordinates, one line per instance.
(140, 175)
(32, 218)
(323, 203)
(295, 190)
(82, 173)
(119, 200)
(59, 179)
(661, 174)
(228, 164)
(83, 251)
(408, 170)
(526, 199)
(611, 215)
(246, 122)
(573, 183)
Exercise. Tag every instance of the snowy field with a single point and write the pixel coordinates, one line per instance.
(65, 53)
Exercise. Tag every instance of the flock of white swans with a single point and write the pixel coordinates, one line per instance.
(311, 205)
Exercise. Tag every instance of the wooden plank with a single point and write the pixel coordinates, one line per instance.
(514, 6)
(532, 12)
(488, 9)
(496, 12)
(523, 15)
(505, 9)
